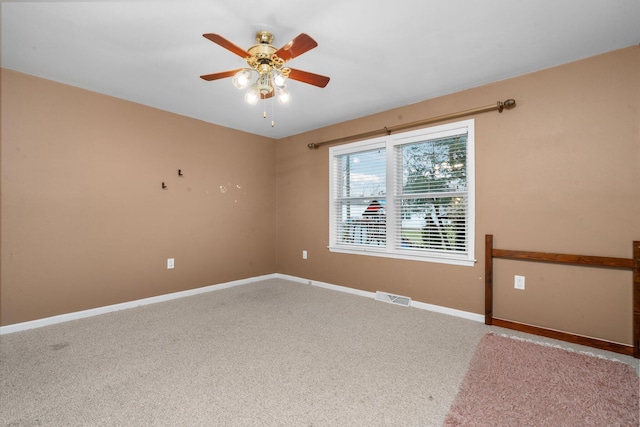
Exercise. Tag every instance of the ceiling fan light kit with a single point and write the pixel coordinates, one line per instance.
(242, 79)
(268, 62)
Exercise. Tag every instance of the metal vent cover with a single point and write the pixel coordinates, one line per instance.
(393, 299)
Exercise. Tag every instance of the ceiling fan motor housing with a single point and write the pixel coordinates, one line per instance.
(262, 57)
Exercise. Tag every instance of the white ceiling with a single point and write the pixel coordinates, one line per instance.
(379, 54)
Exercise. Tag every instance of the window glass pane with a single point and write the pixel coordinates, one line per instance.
(434, 223)
(361, 217)
(362, 222)
(438, 165)
(362, 174)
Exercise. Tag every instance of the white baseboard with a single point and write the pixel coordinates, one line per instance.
(421, 305)
(450, 311)
(348, 290)
(17, 327)
(292, 278)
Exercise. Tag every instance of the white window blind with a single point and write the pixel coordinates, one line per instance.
(431, 177)
(409, 195)
(359, 205)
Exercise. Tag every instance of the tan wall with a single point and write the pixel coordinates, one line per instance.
(85, 222)
(559, 173)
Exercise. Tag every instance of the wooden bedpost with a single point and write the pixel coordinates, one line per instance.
(488, 279)
(636, 299)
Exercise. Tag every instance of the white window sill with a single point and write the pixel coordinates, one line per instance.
(406, 255)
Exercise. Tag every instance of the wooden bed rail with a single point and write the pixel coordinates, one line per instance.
(578, 260)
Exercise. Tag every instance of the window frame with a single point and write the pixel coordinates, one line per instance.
(389, 144)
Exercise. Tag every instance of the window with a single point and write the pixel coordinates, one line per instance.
(410, 195)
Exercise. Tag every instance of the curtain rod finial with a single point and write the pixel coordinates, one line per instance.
(312, 145)
(509, 103)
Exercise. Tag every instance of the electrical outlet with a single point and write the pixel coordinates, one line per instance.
(169, 263)
(518, 282)
(304, 254)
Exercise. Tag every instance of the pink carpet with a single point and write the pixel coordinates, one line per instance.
(511, 382)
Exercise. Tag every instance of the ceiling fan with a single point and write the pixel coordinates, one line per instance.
(268, 62)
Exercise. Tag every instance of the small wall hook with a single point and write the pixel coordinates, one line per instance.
(180, 172)
(164, 186)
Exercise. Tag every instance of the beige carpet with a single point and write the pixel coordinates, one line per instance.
(267, 353)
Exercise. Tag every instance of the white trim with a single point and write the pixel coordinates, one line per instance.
(24, 326)
(18, 327)
(416, 304)
(445, 259)
(345, 289)
(450, 311)
(292, 278)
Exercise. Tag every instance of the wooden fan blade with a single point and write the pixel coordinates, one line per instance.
(296, 47)
(218, 39)
(307, 77)
(222, 75)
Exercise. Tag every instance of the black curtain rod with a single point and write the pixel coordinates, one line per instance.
(500, 105)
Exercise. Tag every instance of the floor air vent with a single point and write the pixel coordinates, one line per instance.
(393, 299)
